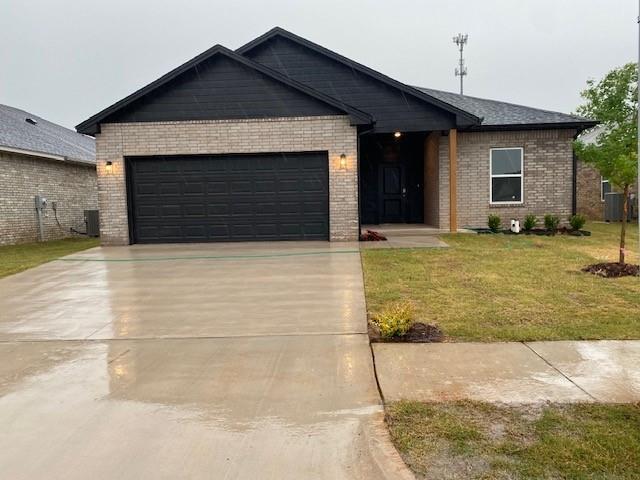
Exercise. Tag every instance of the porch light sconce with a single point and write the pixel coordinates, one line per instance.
(343, 162)
(108, 168)
(397, 134)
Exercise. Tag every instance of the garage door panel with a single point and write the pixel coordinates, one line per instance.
(241, 186)
(168, 211)
(229, 198)
(217, 188)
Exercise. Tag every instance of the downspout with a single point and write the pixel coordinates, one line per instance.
(574, 189)
(574, 182)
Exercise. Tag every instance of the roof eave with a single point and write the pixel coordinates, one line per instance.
(48, 156)
(579, 125)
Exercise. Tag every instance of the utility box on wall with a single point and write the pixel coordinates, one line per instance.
(92, 223)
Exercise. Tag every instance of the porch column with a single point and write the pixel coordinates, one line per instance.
(453, 180)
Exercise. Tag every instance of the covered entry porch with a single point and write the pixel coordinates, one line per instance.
(404, 181)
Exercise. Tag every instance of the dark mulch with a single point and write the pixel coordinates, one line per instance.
(538, 231)
(418, 333)
(613, 269)
(371, 236)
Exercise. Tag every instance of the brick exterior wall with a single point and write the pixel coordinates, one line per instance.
(588, 200)
(292, 134)
(23, 177)
(548, 173)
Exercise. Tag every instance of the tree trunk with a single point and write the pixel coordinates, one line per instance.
(623, 230)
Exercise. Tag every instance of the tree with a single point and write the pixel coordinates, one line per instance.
(613, 101)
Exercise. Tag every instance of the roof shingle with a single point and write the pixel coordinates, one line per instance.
(496, 113)
(43, 137)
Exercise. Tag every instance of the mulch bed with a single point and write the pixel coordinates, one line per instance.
(371, 236)
(613, 269)
(538, 231)
(418, 333)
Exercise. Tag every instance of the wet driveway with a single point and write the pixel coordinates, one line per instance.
(200, 361)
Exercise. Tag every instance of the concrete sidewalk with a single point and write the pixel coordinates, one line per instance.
(561, 371)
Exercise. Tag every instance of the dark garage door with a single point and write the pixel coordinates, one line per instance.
(229, 197)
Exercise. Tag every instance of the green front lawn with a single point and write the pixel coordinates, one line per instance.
(470, 440)
(16, 258)
(511, 288)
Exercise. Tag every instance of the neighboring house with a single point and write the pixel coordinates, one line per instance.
(591, 187)
(283, 139)
(38, 157)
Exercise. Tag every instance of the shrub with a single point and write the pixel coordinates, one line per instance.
(577, 221)
(551, 222)
(494, 223)
(395, 319)
(530, 221)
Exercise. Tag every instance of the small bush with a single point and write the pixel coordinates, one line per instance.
(551, 222)
(494, 223)
(395, 319)
(530, 222)
(577, 222)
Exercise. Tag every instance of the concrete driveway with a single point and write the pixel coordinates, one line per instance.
(198, 361)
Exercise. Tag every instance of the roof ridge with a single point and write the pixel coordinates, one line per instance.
(354, 64)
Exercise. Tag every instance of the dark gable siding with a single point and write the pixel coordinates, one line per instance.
(221, 88)
(391, 108)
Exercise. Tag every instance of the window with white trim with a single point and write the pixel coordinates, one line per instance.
(605, 187)
(507, 178)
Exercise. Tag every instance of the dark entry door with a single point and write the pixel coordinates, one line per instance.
(208, 198)
(393, 193)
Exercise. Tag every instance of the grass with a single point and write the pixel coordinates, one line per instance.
(511, 288)
(470, 440)
(16, 258)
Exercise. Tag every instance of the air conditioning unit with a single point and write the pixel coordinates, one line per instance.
(92, 223)
(613, 207)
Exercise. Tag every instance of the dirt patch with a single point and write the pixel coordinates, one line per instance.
(418, 333)
(613, 269)
(371, 236)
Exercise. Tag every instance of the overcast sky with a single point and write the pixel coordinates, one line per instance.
(65, 60)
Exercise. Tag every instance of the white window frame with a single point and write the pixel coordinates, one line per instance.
(602, 182)
(510, 175)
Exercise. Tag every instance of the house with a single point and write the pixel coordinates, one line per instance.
(38, 157)
(283, 139)
(591, 187)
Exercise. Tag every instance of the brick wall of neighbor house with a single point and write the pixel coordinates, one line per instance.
(292, 134)
(22, 177)
(588, 200)
(548, 173)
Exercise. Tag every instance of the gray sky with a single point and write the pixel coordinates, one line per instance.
(66, 60)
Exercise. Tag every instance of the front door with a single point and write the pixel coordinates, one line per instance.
(393, 193)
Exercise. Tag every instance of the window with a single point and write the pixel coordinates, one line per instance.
(605, 187)
(506, 175)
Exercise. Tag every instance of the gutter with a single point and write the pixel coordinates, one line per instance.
(50, 156)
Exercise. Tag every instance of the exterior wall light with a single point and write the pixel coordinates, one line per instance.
(343, 162)
(108, 168)
(397, 134)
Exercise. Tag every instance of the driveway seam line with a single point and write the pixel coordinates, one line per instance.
(375, 374)
(202, 257)
(526, 344)
(210, 337)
